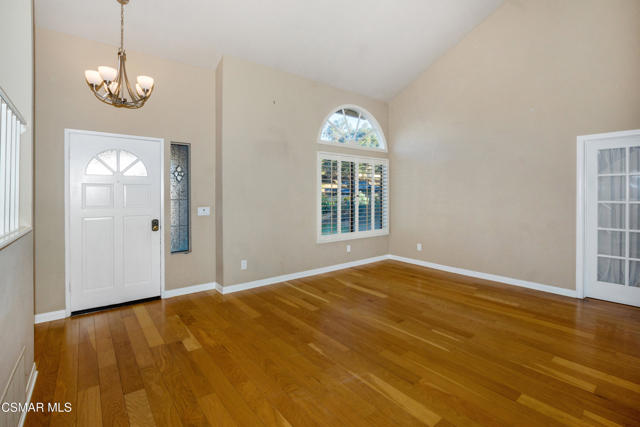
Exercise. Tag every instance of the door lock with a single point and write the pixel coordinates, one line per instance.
(155, 225)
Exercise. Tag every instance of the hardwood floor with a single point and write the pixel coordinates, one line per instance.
(383, 344)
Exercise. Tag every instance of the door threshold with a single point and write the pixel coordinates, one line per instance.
(108, 307)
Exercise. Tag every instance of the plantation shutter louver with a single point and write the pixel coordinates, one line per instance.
(11, 129)
(353, 197)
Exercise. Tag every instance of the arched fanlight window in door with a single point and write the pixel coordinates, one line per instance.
(110, 162)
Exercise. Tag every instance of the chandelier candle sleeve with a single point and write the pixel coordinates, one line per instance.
(111, 85)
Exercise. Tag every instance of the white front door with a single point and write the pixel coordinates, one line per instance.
(114, 199)
(612, 218)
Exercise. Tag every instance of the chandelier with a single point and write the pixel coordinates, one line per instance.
(111, 85)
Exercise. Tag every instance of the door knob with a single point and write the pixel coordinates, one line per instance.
(155, 225)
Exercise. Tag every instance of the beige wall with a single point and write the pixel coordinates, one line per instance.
(181, 109)
(218, 177)
(269, 125)
(16, 259)
(483, 164)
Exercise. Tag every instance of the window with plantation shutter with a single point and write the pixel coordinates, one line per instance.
(11, 128)
(353, 197)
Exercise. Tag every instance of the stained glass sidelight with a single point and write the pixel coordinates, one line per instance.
(180, 198)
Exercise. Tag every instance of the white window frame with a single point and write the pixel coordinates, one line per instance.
(352, 144)
(340, 236)
(12, 126)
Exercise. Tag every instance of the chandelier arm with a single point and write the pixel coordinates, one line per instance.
(134, 96)
(110, 101)
(108, 89)
(103, 98)
(122, 57)
(95, 87)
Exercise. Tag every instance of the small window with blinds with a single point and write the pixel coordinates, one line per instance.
(11, 128)
(353, 199)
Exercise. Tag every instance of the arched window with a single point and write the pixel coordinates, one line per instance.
(111, 161)
(353, 196)
(352, 127)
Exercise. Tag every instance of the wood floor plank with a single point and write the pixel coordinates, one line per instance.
(113, 408)
(182, 396)
(67, 381)
(160, 400)
(89, 407)
(129, 373)
(138, 409)
(620, 382)
(148, 327)
(410, 405)
(216, 413)
(381, 344)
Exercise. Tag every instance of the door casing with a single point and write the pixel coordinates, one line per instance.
(67, 224)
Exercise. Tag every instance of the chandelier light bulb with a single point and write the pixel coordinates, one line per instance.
(139, 90)
(108, 74)
(93, 77)
(145, 82)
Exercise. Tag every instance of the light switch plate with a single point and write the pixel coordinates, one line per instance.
(204, 211)
(419, 246)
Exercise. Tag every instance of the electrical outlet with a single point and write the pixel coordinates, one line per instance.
(348, 249)
(204, 211)
(243, 264)
(419, 247)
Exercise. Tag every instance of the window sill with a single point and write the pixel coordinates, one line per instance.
(180, 252)
(12, 237)
(351, 236)
(353, 146)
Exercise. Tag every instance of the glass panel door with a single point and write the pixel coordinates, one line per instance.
(612, 222)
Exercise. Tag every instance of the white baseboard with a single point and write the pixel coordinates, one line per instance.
(48, 317)
(285, 277)
(30, 385)
(188, 290)
(492, 277)
(61, 314)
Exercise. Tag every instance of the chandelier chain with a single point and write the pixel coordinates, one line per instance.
(121, 27)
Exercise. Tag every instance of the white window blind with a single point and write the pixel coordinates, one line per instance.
(353, 200)
(11, 129)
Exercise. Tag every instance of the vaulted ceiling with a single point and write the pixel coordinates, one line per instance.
(373, 47)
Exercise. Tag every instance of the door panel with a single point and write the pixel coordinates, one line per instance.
(98, 253)
(114, 194)
(137, 260)
(97, 196)
(612, 213)
(136, 195)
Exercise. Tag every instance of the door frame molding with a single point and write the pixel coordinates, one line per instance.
(581, 171)
(67, 201)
